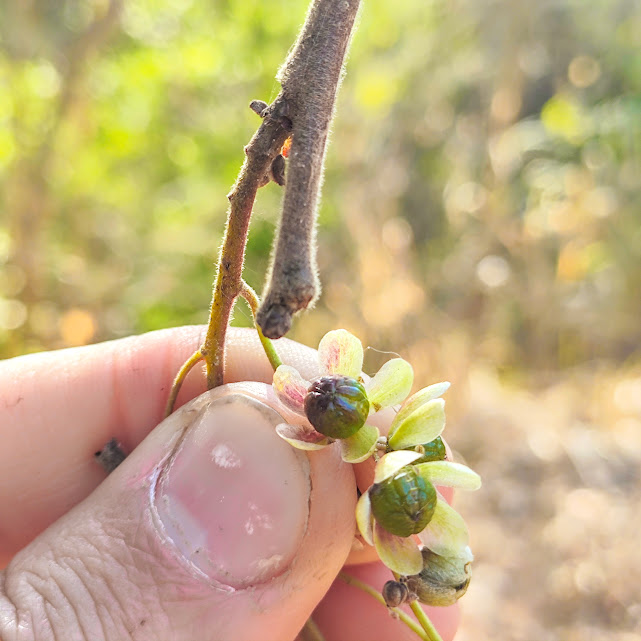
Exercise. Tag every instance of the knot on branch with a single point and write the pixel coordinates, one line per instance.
(259, 107)
(278, 111)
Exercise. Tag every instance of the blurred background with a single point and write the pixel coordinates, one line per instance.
(480, 216)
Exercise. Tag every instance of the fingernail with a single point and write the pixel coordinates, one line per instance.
(233, 499)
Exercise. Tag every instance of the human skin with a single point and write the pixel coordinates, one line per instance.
(157, 551)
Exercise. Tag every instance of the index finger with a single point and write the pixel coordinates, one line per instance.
(58, 408)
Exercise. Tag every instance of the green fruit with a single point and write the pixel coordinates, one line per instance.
(403, 504)
(442, 581)
(337, 406)
(434, 451)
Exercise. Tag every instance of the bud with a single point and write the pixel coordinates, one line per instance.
(337, 406)
(443, 580)
(403, 503)
(395, 593)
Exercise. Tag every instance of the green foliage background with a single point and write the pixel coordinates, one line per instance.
(481, 188)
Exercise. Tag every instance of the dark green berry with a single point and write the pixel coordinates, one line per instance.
(434, 451)
(337, 406)
(403, 504)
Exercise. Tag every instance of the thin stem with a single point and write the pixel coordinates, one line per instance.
(311, 632)
(303, 110)
(260, 153)
(426, 624)
(252, 300)
(402, 616)
(178, 381)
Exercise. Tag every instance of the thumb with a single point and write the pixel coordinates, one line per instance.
(213, 528)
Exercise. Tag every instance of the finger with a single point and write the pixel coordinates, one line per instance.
(58, 408)
(348, 613)
(214, 528)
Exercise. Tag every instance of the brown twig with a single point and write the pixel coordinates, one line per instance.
(303, 109)
(310, 79)
(260, 153)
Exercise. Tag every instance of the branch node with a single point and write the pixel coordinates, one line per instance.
(259, 107)
(280, 111)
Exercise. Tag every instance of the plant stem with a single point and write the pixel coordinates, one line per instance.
(303, 109)
(402, 616)
(178, 381)
(430, 631)
(310, 78)
(311, 632)
(252, 300)
(260, 153)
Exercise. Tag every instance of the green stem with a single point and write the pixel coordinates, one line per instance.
(311, 632)
(178, 381)
(402, 616)
(426, 624)
(252, 300)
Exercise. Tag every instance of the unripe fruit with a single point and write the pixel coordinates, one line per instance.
(337, 406)
(442, 581)
(404, 503)
(434, 451)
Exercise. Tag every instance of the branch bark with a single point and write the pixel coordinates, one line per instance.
(310, 78)
(303, 109)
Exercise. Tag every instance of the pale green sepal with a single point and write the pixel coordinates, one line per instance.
(302, 438)
(399, 554)
(420, 427)
(466, 554)
(446, 534)
(391, 384)
(391, 463)
(290, 387)
(421, 397)
(340, 352)
(449, 474)
(360, 446)
(364, 518)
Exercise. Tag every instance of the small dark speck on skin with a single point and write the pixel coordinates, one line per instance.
(9, 405)
(143, 621)
(110, 456)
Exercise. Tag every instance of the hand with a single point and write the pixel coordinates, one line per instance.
(213, 528)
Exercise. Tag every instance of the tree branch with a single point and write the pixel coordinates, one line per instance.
(310, 79)
(260, 153)
(303, 109)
